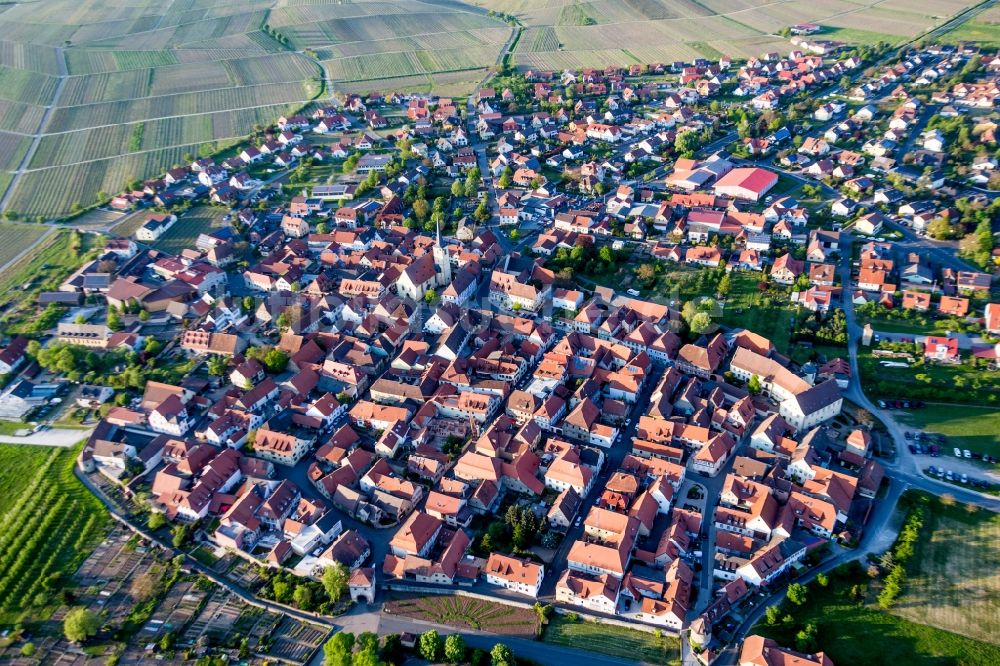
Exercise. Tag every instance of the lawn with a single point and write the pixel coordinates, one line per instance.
(766, 314)
(953, 580)
(466, 612)
(49, 524)
(184, 233)
(852, 632)
(613, 640)
(973, 428)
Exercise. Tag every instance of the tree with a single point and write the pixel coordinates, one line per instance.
(114, 320)
(430, 645)
(429, 296)
(282, 590)
(421, 209)
(754, 385)
(607, 255)
(797, 593)
(501, 655)
(505, 177)
(805, 639)
(454, 648)
(646, 273)
(456, 188)
(822, 579)
(156, 521)
(772, 614)
(80, 624)
(335, 580)
(700, 323)
(337, 651)
(367, 652)
(217, 365)
(303, 597)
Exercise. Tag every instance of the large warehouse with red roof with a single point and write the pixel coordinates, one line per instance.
(746, 183)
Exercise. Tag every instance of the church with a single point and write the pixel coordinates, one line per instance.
(431, 271)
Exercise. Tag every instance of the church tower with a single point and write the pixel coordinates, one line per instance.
(441, 261)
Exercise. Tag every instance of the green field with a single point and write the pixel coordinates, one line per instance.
(953, 581)
(185, 231)
(42, 269)
(767, 315)
(49, 523)
(973, 428)
(961, 383)
(852, 632)
(16, 238)
(984, 33)
(612, 640)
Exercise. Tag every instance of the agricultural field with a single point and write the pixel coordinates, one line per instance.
(576, 33)
(983, 29)
(468, 613)
(12, 149)
(16, 238)
(49, 523)
(856, 631)
(185, 231)
(953, 581)
(612, 640)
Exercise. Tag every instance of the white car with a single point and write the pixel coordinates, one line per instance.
(967, 453)
(958, 452)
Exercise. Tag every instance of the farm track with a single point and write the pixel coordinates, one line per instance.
(42, 124)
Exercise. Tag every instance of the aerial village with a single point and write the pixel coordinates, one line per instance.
(415, 371)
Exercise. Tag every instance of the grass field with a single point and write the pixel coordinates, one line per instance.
(859, 633)
(953, 580)
(48, 525)
(185, 231)
(977, 30)
(612, 640)
(973, 428)
(959, 383)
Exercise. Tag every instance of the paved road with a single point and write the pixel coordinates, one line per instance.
(60, 437)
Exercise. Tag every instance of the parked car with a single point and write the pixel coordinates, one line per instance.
(967, 453)
(913, 449)
(958, 452)
(948, 475)
(908, 435)
(965, 478)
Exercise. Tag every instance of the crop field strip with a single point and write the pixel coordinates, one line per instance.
(47, 526)
(16, 238)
